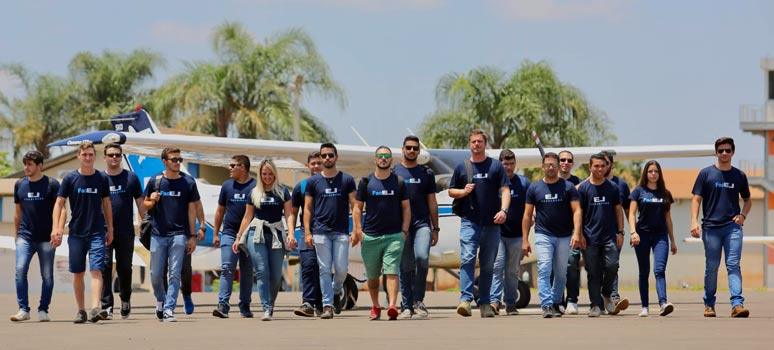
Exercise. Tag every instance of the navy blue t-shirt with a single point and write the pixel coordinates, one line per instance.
(720, 192)
(574, 179)
(124, 189)
(85, 194)
(382, 204)
(488, 176)
(623, 191)
(553, 205)
(652, 209)
(234, 196)
(272, 206)
(37, 204)
(170, 214)
(330, 212)
(512, 226)
(420, 182)
(598, 202)
(297, 201)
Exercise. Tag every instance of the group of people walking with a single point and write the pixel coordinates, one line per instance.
(394, 219)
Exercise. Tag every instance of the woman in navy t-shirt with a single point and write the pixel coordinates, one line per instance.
(270, 203)
(652, 231)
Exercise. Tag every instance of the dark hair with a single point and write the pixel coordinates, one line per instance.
(380, 147)
(329, 145)
(242, 159)
(608, 156)
(507, 154)
(598, 156)
(551, 155)
(410, 138)
(567, 151)
(311, 155)
(34, 156)
(112, 145)
(167, 150)
(479, 132)
(725, 141)
(660, 185)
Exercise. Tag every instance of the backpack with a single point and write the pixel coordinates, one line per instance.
(146, 228)
(458, 203)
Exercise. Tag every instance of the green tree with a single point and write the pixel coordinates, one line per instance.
(5, 167)
(252, 87)
(42, 115)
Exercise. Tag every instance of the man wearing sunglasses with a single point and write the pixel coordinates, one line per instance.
(423, 231)
(717, 189)
(125, 192)
(234, 196)
(328, 198)
(311, 303)
(383, 195)
(174, 229)
(566, 162)
(485, 192)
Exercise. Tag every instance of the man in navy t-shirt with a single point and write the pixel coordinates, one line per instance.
(387, 217)
(557, 229)
(234, 197)
(423, 232)
(485, 196)
(506, 267)
(310, 271)
(327, 201)
(88, 192)
(125, 193)
(566, 162)
(603, 232)
(718, 189)
(173, 228)
(624, 192)
(34, 197)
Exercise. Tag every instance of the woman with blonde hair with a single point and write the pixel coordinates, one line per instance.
(267, 239)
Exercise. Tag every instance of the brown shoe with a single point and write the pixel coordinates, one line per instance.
(709, 311)
(496, 308)
(739, 312)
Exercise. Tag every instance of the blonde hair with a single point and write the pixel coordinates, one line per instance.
(258, 192)
(85, 144)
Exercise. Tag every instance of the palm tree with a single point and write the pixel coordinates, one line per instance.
(251, 87)
(509, 107)
(43, 115)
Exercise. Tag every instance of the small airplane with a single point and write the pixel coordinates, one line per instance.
(141, 141)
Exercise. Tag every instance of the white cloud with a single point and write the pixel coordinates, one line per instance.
(179, 33)
(553, 10)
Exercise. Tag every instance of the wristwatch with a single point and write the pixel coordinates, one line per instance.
(436, 229)
(620, 232)
(505, 210)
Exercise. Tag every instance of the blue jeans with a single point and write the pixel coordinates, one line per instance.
(728, 239)
(506, 268)
(552, 253)
(228, 266)
(614, 294)
(413, 267)
(92, 245)
(333, 259)
(472, 238)
(268, 268)
(24, 251)
(573, 276)
(167, 250)
(310, 275)
(601, 269)
(659, 243)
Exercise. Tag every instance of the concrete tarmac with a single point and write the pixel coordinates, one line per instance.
(685, 328)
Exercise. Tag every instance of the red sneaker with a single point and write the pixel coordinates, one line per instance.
(392, 312)
(376, 313)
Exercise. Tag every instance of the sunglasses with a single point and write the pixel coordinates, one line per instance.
(565, 160)
(384, 155)
(327, 155)
(550, 165)
(411, 148)
(113, 155)
(724, 150)
(232, 166)
(176, 160)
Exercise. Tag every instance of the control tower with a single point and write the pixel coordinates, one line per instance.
(759, 120)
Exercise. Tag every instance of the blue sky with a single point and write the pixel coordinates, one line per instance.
(664, 72)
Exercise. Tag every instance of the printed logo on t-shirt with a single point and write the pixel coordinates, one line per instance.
(481, 176)
(514, 194)
(599, 201)
(332, 192)
(383, 193)
(170, 193)
(653, 200)
(413, 180)
(88, 190)
(268, 201)
(724, 185)
(239, 198)
(116, 189)
(33, 196)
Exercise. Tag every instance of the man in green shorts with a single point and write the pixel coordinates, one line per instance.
(386, 224)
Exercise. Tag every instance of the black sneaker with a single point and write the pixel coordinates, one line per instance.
(244, 311)
(557, 311)
(337, 303)
(548, 312)
(221, 311)
(159, 315)
(97, 315)
(305, 310)
(81, 317)
(126, 309)
(109, 311)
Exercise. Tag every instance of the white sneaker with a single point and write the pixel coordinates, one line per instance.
(644, 312)
(610, 306)
(169, 316)
(572, 309)
(266, 316)
(421, 309)
(109, 313)
(43, 316)
(405, 314)
(666, 309)
(595, 311)
(20, 316)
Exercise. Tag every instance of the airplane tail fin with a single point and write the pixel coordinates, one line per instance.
(138, 121)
